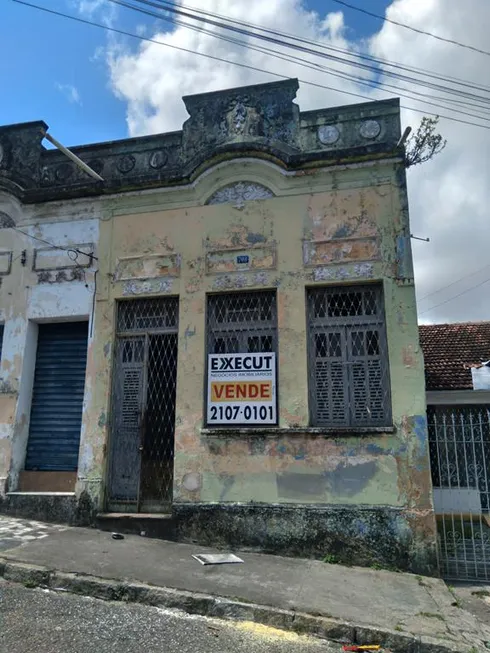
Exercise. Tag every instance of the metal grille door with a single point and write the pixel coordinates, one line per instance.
(459, 444)
(143, 405)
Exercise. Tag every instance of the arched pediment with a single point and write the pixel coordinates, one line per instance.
(240, 192)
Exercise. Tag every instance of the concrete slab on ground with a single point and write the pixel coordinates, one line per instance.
(15, 532)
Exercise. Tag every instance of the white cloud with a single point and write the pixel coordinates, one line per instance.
(89, 7)
(102, 10)
(154, 78)
(70, 92)
(449, 196)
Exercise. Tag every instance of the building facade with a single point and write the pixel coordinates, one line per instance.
(457, 370)
(252, 358)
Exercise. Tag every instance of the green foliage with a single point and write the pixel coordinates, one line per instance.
(331, 559)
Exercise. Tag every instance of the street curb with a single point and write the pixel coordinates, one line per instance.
(223, 608)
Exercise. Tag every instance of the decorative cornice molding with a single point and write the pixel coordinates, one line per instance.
(262, 120)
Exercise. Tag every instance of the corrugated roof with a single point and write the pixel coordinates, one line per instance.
(450, 350)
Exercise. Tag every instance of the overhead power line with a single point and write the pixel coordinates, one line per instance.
(401, 91)
(329, 47)
(235, 63)
(453, 283)
(446, 301)
(412, 28)
(226, 24)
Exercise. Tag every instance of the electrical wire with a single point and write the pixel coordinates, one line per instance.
(318, 67)
(313, 66)
(94, 295)
(352, 53)
(411, 28)
(16, 258)
(64, 248)
(428, 310)
(235, 63)
(333, 72)
(165, 5)
(449, 285)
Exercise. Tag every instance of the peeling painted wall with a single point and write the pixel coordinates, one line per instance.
(313, 198)
(289, 240)
(44, 284)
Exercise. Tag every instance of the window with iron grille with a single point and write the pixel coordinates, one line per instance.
(242, 322)
(145, 315)
(349, 382)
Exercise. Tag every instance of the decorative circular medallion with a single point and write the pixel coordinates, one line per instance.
(63, 172)
(328, 134)
(126, 163)
(370, 129)
(158, 159)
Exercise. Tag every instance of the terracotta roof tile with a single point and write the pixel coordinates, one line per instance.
(450, 350)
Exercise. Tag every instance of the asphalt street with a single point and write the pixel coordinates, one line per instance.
(50, 622)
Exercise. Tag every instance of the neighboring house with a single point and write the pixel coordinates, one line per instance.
(457, 377)
(253, 363)
(47, 287)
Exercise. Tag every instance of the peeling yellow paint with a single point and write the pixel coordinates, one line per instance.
(355, 210)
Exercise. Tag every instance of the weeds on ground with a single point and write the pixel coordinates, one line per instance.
(331, 559)
(376, 566)
(431, 615)
(456, 603)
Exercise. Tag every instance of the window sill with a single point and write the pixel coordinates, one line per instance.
(297, 430)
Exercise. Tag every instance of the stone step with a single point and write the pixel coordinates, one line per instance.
(156, 525)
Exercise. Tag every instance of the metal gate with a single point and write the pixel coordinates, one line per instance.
(143, 405)
(459, 444)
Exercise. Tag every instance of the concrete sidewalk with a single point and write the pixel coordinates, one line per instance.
(401, 611)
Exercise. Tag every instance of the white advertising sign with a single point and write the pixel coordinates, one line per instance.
(241, 389)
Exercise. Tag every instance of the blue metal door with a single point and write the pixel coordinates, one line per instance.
(57, 398)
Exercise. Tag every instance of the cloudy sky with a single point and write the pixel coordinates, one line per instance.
(90, 84)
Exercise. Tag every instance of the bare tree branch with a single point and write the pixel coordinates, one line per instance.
(425, 143)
